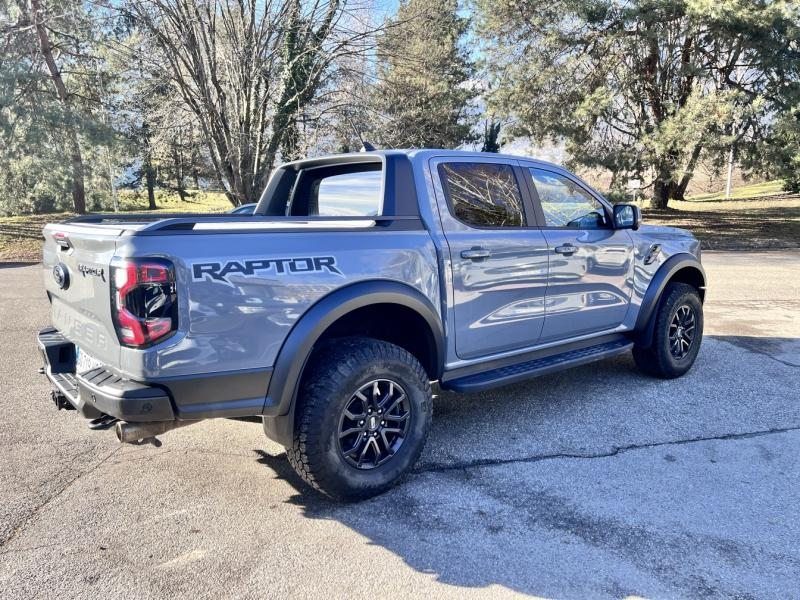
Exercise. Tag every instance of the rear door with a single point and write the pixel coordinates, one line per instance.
(591, 264)
(498, 256)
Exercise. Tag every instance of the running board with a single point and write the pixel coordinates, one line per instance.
(479, 382)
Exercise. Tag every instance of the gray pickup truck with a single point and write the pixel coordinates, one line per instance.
(360, 281)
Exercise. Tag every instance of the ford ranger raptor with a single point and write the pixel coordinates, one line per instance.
(358, 282)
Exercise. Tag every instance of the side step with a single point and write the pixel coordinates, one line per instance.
(536, 367)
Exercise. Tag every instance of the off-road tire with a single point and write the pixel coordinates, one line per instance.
(657, 359)
(333, 375)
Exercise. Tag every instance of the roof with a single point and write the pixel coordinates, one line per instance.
(415, 154)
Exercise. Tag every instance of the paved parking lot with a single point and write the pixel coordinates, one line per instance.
(597, 482)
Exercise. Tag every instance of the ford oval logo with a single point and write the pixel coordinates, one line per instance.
(61, 276)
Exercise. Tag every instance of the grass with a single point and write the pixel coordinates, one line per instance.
(197, 202)
(744, 192)
(759, 216)
(21, 236)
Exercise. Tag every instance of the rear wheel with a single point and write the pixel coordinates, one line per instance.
(677, 334)
(362, 418)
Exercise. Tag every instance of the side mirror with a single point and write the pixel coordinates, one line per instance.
(627, 216)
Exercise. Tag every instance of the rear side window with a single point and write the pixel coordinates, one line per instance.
(565, 204)
(351, 190)
(483, 194)
(349, 195)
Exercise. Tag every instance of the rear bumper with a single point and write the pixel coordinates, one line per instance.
(226, 394)
(100, 391)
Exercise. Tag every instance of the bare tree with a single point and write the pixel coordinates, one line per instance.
(248, 70)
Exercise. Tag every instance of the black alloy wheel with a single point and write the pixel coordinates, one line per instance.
(374, 424)
(682, 331)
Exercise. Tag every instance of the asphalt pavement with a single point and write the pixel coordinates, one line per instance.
(597, 482)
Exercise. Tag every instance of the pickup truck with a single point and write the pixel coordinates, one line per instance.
(360, 281)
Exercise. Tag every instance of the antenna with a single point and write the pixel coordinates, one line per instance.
(365, 146)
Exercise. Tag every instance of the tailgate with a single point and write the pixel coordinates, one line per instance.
(76, 275)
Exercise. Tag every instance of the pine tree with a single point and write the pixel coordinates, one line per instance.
(422, 94)
(53, 97)
(647, 87)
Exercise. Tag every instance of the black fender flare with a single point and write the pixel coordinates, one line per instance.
(294, 353)
(643, 331)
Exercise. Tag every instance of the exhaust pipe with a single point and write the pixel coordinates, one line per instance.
(133, 433)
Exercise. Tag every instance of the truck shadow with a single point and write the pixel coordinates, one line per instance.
(601, 482)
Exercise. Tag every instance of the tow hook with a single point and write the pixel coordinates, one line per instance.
(60, 400)
(104, 422)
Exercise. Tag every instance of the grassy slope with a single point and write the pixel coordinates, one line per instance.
(756, 216)
(756, 190)
(21, 237)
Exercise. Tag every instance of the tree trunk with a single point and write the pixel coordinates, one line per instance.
(660, 197)
(612, 186)
(150, 175)
(179, 185)
(78, 189)
(680, 189)
(729, 180)
(150, 181)
(664, 188)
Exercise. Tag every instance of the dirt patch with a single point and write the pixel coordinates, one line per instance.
(21, 237)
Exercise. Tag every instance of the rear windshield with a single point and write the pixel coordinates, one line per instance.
(350, 190)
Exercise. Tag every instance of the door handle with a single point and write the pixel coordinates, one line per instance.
(566, 249)
(476, 253)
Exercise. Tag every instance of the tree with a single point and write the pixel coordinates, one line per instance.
(348, 113)
(647, 87)
(248, 71)
(779, 156)
(491, 135)
(422, 94)
(53, 106)
(38, 17)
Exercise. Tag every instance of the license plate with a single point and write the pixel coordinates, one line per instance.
(84, 362)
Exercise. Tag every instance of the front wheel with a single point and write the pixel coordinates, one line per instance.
(362, 418)
(677, 334)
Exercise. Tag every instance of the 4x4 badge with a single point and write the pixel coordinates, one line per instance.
(89, 270)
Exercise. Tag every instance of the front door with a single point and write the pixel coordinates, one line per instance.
(591, 263)
(499, 262)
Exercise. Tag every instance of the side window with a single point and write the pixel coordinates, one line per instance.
(348, 190)
(349, 195)
(565, 204)
(483, 194)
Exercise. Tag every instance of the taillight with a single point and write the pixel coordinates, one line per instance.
(144, 301)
